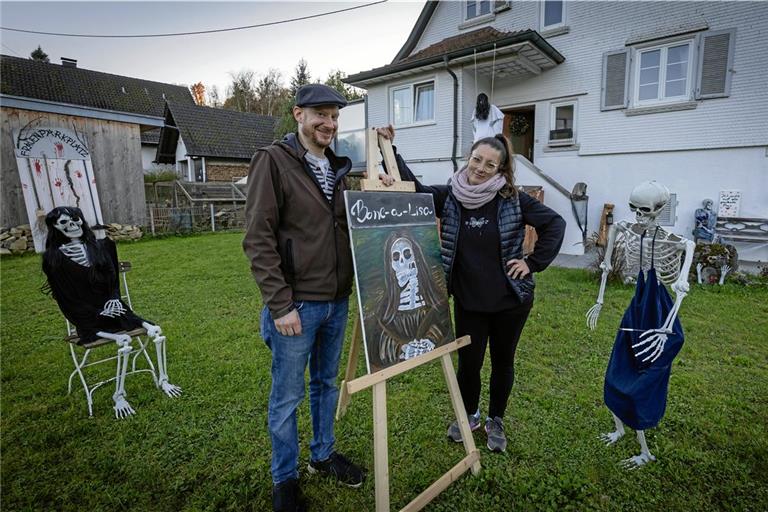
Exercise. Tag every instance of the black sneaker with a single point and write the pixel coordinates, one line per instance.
(339, 467)
(287, 497)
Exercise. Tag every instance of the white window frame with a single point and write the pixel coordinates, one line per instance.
(412, 87)
(552, 123)
(562, 23)
(664, 47)
(489, 14)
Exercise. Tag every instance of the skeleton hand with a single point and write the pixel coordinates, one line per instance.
(724, 272)
(699, 266)
(681, 287)
(122, 408)
(416, 348)
(113, 308)
(606, 266)
(593, 314)
(655, 339)
(169, 389)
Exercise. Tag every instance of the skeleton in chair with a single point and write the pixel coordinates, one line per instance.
(650, 335)
(408, 316)
(82, 276)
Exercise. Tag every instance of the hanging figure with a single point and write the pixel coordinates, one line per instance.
(487, 119)
(409, 314)
(650, 335)
(82, 276)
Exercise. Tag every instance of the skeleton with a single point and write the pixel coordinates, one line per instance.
(69, 222)
(671, 256)
(404, 265)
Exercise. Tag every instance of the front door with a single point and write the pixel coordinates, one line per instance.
(518, 127)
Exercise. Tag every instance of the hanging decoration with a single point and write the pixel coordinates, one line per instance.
(518, 125)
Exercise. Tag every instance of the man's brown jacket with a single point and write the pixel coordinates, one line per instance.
(297, 241)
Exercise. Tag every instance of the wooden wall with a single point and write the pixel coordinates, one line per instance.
(115, 155)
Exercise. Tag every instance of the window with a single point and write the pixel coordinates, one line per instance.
(562, 124)
(552, 14)
(668, 214)
(663, 73)
(477, 8)
(413, 104)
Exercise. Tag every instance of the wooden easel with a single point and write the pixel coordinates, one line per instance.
(378, 380)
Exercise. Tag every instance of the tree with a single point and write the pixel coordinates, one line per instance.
(198, 93)
(286, 123)
(300, 77)
(270, 92)
(240, 93)
(213, 97)
(335, 80)
(39, 55)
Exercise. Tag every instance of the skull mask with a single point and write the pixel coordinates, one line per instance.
(403, 261)
(71, 226)
(647, 200)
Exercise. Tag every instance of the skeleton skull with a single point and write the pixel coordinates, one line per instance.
(72, 227)
(647, 200)
(403, 261)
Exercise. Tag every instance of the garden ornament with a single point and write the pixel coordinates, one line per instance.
(706, 219)
(82, 276)
(650, 335)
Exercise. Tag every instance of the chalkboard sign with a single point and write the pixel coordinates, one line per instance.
(400, 280)
(729, 203)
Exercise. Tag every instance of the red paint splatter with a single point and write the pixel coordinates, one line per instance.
(38, 168)
(57, 182)
(78, 174)
(59, 149)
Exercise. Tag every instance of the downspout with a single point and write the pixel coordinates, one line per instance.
(455, 113)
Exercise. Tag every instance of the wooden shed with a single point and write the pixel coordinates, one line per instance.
(108, 111)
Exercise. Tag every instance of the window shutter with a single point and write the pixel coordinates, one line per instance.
(668, 214)
(615, 80)
(715, 64)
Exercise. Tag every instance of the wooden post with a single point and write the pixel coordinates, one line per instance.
(602, 234)
(460, 412)
(349, 374)
(152, 219)
(380, 449)
(213, 222)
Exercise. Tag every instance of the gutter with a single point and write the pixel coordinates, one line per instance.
(455, 113)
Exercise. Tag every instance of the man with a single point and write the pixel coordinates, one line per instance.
(297, 240)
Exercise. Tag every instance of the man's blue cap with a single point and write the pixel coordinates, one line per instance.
(315, 95)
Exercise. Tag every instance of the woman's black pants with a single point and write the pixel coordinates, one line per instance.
(502, 331)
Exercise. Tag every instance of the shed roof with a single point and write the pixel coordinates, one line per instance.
(27, 78)
(214, 132)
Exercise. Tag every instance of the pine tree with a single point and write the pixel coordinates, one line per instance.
(39, 55)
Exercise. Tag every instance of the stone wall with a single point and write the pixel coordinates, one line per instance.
(18, 240)
(225, 172)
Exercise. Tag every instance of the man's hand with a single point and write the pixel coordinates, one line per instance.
(289, 325)
(388, 132)
(518, 269)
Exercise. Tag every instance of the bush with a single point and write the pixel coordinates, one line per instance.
(159, 176)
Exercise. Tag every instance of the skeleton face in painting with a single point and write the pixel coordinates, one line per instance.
(647, 200)
(403, 261)
(71, 226)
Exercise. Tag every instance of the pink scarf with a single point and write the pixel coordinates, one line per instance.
(475, 196)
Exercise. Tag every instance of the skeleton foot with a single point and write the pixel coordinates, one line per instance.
(169, 389)
(637, 461)
(122, 408)
(610, 438)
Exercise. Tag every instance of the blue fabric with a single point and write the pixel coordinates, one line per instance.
(634, 391)
(320, 344)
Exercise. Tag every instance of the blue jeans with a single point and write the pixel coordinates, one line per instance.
(320, 344)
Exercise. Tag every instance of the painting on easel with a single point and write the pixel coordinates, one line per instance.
(400, 281)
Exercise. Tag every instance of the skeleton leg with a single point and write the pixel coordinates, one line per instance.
(699, 266)
(645, 454)
(122, 408)
(610, 438)
(162, 373)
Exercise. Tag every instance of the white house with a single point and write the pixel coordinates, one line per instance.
(605, 93)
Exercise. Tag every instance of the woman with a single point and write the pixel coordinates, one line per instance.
(483, 219)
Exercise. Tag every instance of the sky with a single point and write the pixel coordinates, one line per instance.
(351, 41)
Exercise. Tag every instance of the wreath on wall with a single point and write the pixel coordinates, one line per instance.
(518, 125)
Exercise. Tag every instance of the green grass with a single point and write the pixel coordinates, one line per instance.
(209, 449)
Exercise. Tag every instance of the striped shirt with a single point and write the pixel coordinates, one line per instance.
(325, 175)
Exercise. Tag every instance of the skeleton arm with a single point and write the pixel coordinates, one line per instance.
(594, 312)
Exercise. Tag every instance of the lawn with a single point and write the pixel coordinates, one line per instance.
(209, 449)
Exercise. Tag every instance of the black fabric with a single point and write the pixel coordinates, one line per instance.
(502, 331)
(478, 277)
(550, 229)
(81, 296)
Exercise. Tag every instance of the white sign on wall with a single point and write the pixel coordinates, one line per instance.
(729, 203)
(55, 169)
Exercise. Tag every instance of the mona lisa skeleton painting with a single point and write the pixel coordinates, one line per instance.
(400, 282)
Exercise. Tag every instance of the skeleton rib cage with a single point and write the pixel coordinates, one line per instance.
(666, 252)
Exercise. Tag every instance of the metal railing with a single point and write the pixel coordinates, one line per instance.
(191, 219)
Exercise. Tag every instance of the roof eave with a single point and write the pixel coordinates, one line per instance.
(373, 76)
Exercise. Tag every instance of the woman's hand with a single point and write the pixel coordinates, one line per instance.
(388, 132)
(386, 179)
(518, 269)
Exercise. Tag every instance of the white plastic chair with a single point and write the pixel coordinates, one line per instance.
(81, 362)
